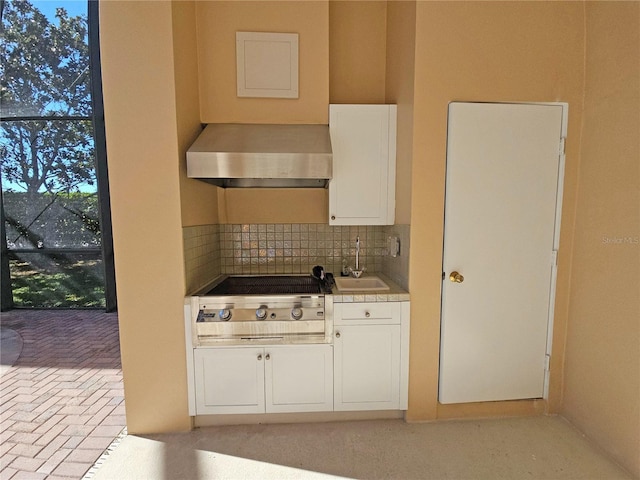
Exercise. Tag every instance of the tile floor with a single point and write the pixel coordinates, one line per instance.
(61, 400)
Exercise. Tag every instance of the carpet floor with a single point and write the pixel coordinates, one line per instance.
(544, 447)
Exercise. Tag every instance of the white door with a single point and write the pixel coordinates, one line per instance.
(502, 192)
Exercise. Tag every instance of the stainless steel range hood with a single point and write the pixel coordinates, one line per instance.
(251, 155)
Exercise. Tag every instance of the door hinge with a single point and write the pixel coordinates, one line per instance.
(547, 362)
(563, 141)
(554, 258)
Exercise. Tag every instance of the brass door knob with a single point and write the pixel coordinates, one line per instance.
(456, 277)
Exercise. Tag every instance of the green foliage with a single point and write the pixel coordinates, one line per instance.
(46, 161)
(61, 221)
(45, 65)
(45, 73)
(57, 281)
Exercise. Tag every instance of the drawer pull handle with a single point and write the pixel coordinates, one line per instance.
(337, 334)
(367, 314)
(267, 357)
(260, 357)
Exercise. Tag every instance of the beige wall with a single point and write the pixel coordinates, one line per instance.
(399, 89)
(218, 23)
(349, 29)
(602, 370)
(140, 114)
(371, 60)
(199, 200)
(276, 205)
(357, 51)
(481, 51)
(436, 52)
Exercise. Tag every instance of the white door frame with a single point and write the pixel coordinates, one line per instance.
(556, 231)
(556, 239)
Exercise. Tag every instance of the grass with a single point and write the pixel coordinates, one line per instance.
(57, 282)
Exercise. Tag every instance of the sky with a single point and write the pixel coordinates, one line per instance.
(48, 7)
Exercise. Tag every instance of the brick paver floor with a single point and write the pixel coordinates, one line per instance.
(62, 402)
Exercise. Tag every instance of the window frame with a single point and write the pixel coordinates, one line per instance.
(102, 178)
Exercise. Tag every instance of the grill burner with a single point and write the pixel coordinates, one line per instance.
(263, 308)
(267, 285)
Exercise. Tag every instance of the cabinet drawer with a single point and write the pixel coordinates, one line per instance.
(381, 312)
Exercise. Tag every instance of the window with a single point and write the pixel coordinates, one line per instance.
(57, 248)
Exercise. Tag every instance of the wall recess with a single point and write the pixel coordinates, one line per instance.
(267, 64)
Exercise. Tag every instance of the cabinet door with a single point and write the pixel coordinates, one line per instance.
(367, 367)
(229, 380)
(363, 139)
(299, 378)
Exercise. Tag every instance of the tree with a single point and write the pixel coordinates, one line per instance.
(47, 160)
(44, 73)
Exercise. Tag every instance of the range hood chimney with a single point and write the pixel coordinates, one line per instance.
(251, 155)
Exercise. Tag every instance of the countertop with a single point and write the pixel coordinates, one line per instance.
(395, 293)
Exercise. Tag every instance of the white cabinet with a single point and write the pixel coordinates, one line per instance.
(296, 378)
(366, 368)
(229, 380)
(363, 140)
(299, 378)
(367, 359)
(371, 356)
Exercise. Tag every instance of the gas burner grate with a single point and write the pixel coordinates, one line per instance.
(267, 285)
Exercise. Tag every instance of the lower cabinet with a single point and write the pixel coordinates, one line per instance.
(366, 368)
(291, 378)
(371, 356)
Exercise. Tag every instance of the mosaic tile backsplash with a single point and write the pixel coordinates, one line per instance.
(250, 249)
(397, 268)
(201, 255)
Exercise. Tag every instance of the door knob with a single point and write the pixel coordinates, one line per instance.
(455, 277)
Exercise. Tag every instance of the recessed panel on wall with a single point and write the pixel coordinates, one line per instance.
(267, 64)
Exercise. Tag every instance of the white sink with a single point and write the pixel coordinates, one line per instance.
(361, 284)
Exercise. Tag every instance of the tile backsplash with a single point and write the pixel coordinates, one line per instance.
(250, 249)
(201, 255)
(397, 268)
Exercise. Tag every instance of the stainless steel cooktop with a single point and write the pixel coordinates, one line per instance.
(268, 285)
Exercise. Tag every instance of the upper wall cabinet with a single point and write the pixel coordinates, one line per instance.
(363, 140)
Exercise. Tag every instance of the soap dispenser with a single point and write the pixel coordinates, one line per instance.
(345, 268)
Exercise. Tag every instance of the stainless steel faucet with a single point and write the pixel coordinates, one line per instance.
(357, 272)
